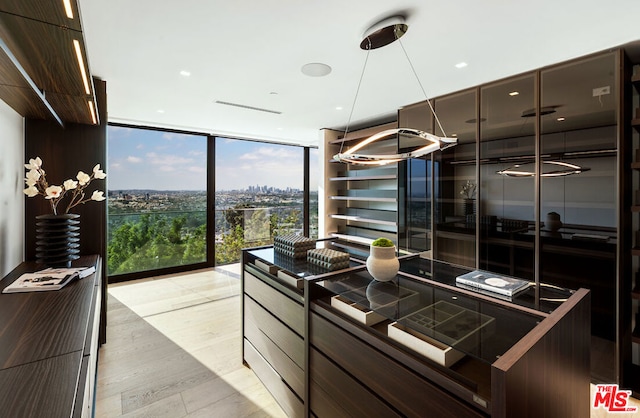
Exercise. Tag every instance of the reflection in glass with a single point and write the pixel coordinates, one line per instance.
(579, 248)
(456, 183)
(507, 215)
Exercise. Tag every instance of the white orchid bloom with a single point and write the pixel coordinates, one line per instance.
(33, 175)
(70, 184)
(97, 173)
(53, 192)
(31, 191)
(83, 178)
(34, 164)
(98, 196)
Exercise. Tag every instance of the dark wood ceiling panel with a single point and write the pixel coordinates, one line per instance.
(75, 109)
(39, 73)
(50, 11)
(46, 53)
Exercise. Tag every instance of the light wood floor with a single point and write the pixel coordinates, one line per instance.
(174, 350)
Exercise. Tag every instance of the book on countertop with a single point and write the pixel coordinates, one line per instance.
(492, 282)
(48, 279)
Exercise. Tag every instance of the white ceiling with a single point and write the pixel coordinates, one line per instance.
(250, 52)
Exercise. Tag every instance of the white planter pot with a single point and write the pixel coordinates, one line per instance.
(382, 263)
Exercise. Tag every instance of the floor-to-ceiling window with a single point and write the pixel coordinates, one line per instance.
(259, 192)
(157, 199)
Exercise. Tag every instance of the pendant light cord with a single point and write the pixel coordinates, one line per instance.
(353, 106)
(422, 88)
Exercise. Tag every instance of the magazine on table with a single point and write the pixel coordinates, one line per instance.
(47, 279)
(492, 282)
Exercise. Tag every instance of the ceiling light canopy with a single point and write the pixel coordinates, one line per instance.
(383, 33)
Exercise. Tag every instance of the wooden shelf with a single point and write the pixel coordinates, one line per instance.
(635, 165)
(635, 293)
(636, 124)
(361, 219)
(354, 178)
(635, 337)
(364, 199)
(635, 208)
(635, 251)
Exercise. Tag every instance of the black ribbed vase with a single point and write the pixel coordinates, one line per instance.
(57, 239)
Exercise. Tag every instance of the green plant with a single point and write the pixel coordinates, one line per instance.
(382, 242)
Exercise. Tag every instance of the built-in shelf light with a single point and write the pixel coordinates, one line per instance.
(85, 80)
(514, 93)
(560, 119)
(92, 111)
(67, 8)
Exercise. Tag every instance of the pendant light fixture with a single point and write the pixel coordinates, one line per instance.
(379, 35)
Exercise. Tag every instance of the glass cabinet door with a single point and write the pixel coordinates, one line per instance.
(455, 180)
(414, 191)
(507, 201)
(578, 188)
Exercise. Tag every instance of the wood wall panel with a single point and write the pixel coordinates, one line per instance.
(64, 152)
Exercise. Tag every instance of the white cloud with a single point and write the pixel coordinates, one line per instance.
(133, 159)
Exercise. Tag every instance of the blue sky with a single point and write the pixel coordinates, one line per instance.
(146, 159)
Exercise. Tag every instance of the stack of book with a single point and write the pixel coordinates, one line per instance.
(328, 259)
(492, 282)
(295, 246)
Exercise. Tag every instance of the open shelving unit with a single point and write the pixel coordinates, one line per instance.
(361, 202)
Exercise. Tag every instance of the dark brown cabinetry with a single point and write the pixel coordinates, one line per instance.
(318, 360)
(49, 347)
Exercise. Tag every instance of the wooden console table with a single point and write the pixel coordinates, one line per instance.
(49, 346)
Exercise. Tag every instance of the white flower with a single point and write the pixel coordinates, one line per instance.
(97, 173)
(31, 191)
(83, 178)
(98, 196)
(70, 184)
(53, 192)
(33, 176)
(34, 164)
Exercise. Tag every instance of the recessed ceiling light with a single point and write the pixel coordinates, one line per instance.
(514, 93)
(185, 73)
(560, 119)
(160, 111)
(316, 69)
(461, 65)
(339, 107)
(274, 93)
(454, 135)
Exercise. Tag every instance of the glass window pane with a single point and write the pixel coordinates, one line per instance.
(157, 199)
(314, 180)
(259, 194)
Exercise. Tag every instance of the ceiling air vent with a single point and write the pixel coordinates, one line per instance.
(259, 109)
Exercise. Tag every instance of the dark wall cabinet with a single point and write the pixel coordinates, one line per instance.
(547, 157)
(49, 346)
